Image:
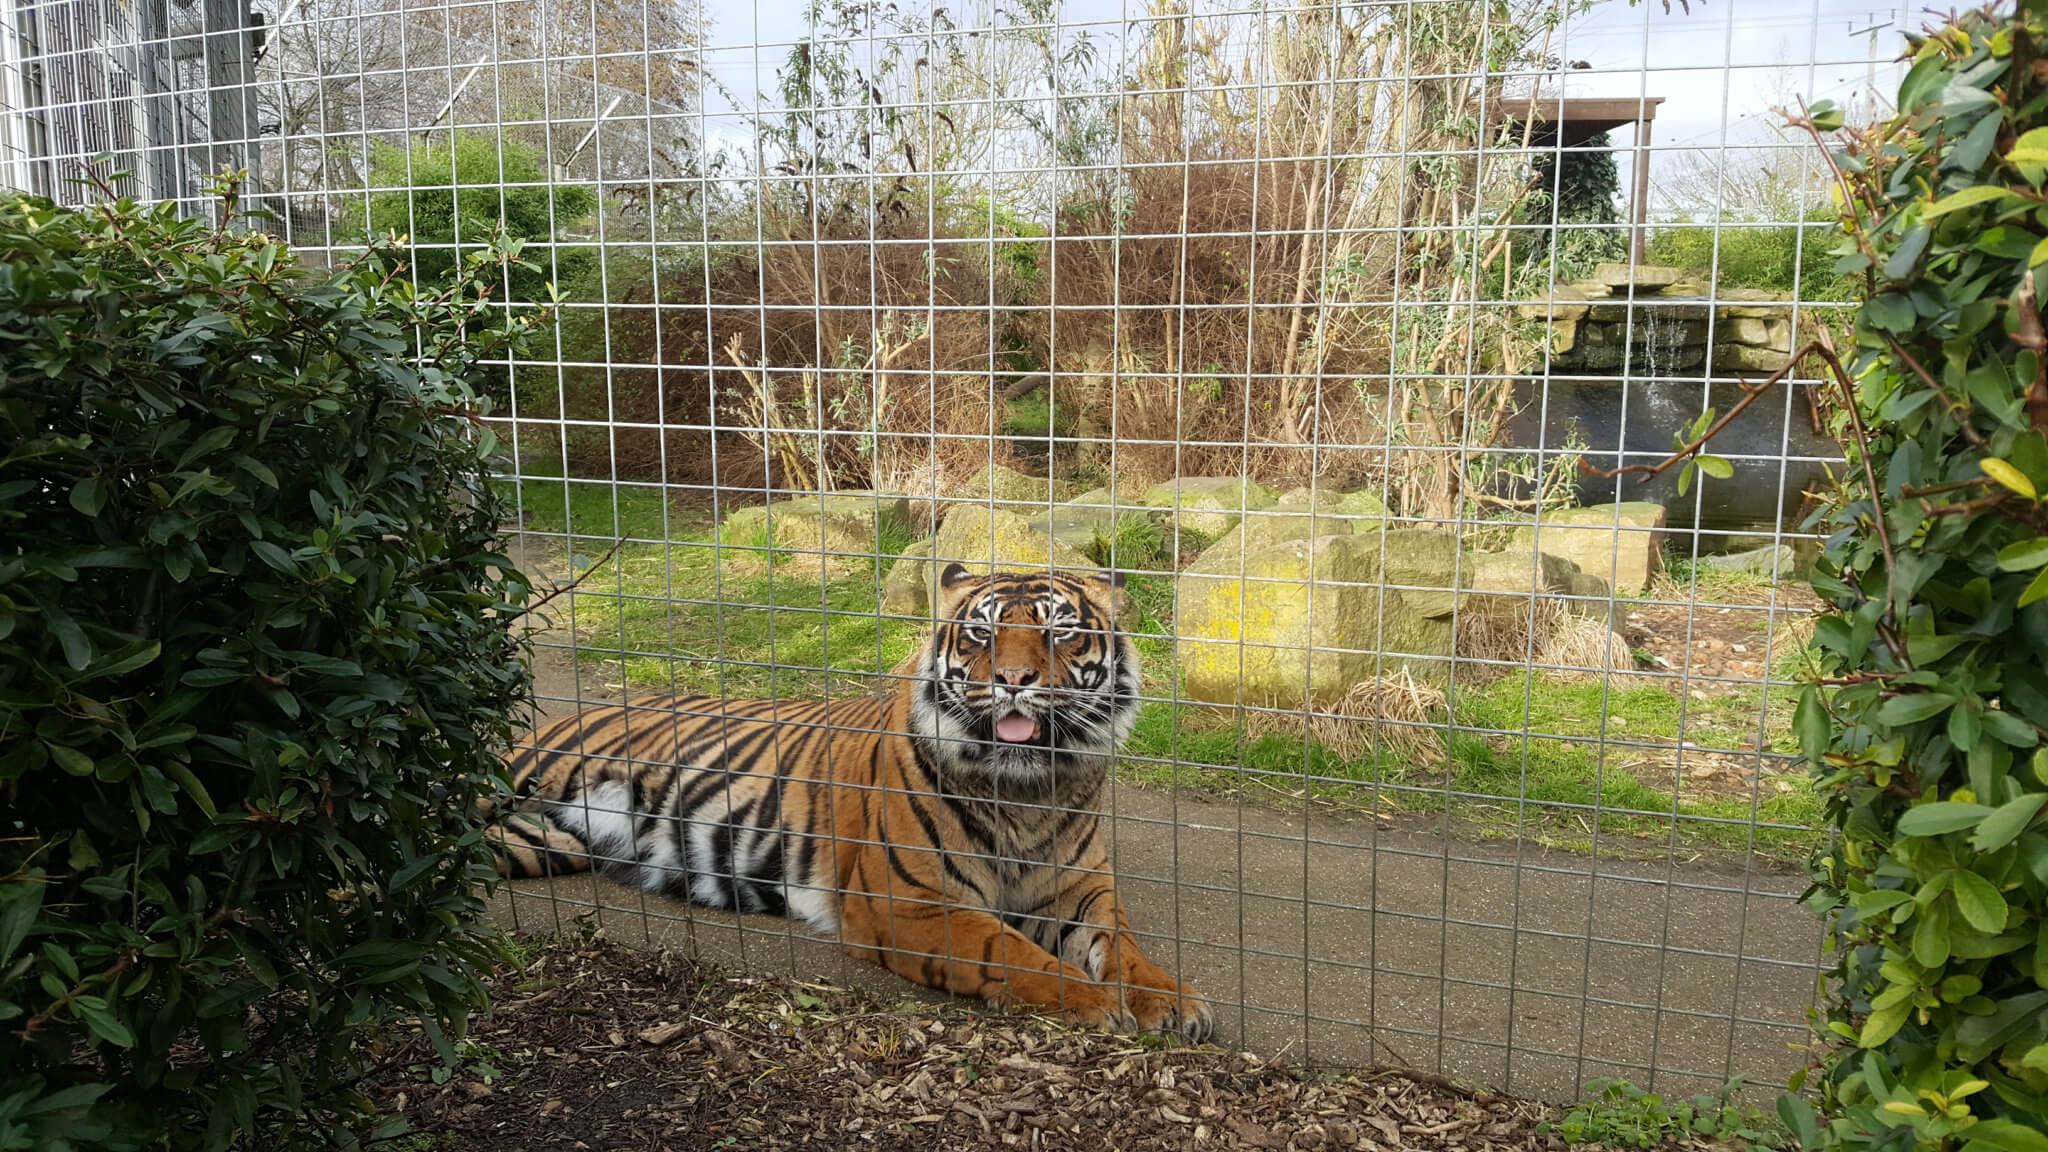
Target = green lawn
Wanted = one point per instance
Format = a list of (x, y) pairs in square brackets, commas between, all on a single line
[(1563, 762)]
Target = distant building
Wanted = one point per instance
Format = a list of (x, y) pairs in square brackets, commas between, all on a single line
[(166, 87)]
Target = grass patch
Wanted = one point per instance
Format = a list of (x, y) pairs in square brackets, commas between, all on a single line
[(1539, 770), (599, 509), (668, 619)]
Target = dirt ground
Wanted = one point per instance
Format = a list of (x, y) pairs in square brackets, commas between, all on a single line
[(1722, 643), (595, 1046)]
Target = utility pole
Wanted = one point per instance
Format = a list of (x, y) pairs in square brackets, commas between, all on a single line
[(1878, 23)]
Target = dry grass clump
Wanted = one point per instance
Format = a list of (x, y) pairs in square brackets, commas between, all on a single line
[(1498, 632), (1583, 648), (1394, 716)]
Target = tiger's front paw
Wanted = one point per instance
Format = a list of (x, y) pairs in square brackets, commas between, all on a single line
[(1178, 1009), (1089, 1006)]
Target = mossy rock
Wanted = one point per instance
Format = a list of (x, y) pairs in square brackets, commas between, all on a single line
[(1295, 517), (906, 590), (1080, 527), (991, 540), (1211, 505), (1524, 573), (823, 535), (1621, 544), (1304, 620)]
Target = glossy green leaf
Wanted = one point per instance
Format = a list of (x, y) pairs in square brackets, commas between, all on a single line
[(89, 495), (1968, 197), (1980, 902), (2023, 555), (2005, 1136), (2036, 589), (1913, 707), (1941, 817), (2005, 823)]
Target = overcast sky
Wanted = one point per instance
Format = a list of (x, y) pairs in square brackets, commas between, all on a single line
[(1720, 67)]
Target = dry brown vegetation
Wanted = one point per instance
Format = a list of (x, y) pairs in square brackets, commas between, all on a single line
[(597, 1046), (1219, 298)]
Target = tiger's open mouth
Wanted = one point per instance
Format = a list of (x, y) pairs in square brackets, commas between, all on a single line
[(1017, 728)]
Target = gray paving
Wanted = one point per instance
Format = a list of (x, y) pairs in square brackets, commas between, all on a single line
[(1341, 940)]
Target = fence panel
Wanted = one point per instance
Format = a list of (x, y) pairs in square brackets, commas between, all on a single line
[(1354, 336)]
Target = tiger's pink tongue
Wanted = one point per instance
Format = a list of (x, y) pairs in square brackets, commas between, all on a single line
[(1016, 728)]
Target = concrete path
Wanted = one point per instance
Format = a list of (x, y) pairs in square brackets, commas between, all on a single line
[(1344, 941)]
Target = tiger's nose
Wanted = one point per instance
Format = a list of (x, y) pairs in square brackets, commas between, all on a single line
[(1016, 677)]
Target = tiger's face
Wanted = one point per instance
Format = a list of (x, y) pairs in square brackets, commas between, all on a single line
[(1025, 669)]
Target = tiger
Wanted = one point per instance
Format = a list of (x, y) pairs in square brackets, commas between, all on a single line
[(949, 829)]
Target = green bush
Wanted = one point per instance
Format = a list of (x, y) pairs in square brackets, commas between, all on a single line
[(256, 670), (1926, 733), (451, 198), (1743, 255)]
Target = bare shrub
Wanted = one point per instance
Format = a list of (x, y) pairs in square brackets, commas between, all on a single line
[(1262, 250)]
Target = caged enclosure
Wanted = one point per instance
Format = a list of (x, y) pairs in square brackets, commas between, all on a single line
[(1354, 336)]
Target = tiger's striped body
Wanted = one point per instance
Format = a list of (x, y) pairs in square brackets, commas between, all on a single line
[(950, 831)]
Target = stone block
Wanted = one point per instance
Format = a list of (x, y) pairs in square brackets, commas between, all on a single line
[(1743, 358), (1640, 278), (1621, 544), (1009, 487), (1305, 620), (1522, 572), (1081, 527), (1641, 311), (1777, 562), (832, 533), (991, 540), (1299, 515), (906, 590), (1754, 303), (1211, 505), (1774, 334)]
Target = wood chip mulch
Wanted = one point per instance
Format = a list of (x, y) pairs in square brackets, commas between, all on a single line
[(597, 1046)]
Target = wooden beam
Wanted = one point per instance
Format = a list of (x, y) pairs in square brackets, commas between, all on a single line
[(1639, 208), (1576, 110)]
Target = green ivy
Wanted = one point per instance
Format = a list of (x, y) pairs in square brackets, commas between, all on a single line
[(1925, 724), (257, 669), (1577, 187)]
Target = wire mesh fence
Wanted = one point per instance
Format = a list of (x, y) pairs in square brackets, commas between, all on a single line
[(1350, 335)]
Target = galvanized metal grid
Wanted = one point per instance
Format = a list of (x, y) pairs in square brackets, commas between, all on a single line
[(1370, 908)]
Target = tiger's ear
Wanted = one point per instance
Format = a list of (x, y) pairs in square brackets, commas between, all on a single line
[(955, 582), (1106, 588)]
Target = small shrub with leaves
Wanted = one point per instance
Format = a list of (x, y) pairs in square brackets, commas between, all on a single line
[(1618, 1114), (257, 667), (1925, 726)]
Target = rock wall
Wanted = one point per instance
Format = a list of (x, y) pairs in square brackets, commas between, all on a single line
[(1648, 320), (1636, 354)]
